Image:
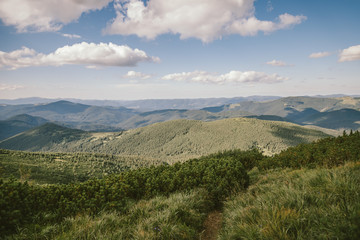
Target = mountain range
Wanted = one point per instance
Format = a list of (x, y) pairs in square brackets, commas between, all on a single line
[(333, 113)]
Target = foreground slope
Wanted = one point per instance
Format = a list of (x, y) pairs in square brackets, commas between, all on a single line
[(311, 199), (175, 140)]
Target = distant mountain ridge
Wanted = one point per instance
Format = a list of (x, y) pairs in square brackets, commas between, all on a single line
[(145, 104), (321, 112), (74, 115)]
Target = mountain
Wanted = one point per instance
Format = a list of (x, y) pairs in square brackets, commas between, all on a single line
[(175, 140), (43, 138), (338, 119), (333, 113), (291, 107), (18, 124), (72, 114), (298, 110)]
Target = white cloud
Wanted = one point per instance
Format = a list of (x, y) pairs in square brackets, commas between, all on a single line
[(231, 77), (350, 54), (251, 26), (7, 87), (71, 36), (278, 63), (206, 20), (319, 55), (45, 15), (137, 75), (89, 54)]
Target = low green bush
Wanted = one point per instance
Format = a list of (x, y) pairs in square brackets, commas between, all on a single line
[(21, 201)]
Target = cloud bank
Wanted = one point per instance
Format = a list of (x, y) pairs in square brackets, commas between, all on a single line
[(350, 54), (206, 20), (45, 15), (235, 77), (89, 54)]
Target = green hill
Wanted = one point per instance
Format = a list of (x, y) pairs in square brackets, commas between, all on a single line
[(18, 124), (169, 141), (43, 138)]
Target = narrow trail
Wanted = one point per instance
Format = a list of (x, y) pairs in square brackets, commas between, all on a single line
[(212, 226)]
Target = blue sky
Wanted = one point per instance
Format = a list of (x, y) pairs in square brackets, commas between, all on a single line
[(103, 49)]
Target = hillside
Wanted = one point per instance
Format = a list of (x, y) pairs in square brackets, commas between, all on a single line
[(172, 140), (43, 138), (338, 119), (18, 124), (308, 191)]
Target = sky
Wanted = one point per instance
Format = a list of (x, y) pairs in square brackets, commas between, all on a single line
[(161, 49)]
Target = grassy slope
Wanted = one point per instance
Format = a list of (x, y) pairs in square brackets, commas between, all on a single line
[(297, 204), (279, 204), (285, 203), (178, 216)]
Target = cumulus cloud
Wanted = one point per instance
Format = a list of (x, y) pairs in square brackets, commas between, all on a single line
[(89, 54), (278, 63), (137, 75), (206, 20), (350, 54), (319, 55), (45, 15), (234, 77), (7, 87)]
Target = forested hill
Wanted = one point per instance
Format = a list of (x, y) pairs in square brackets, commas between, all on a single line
[(172, 140)]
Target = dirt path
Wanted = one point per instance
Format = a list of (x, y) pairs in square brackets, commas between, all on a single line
[(212, 226)]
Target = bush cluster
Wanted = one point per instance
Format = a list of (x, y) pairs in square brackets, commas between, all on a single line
[(326, 152), (20, 202)]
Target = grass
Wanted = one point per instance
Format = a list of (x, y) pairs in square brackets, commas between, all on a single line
[(179, 216), (297, 204)]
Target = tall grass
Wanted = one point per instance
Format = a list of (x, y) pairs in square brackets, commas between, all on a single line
[(179, 216), (297, 204)]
